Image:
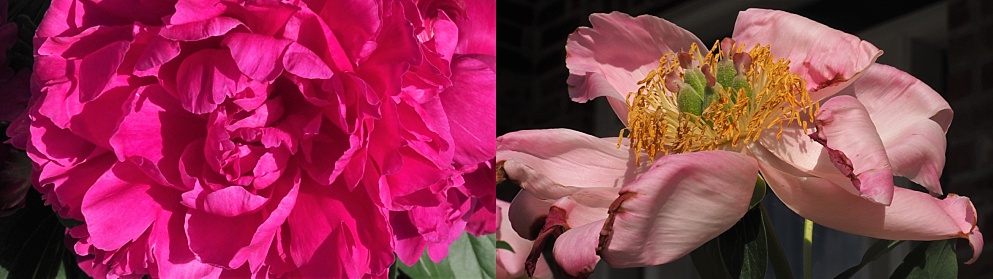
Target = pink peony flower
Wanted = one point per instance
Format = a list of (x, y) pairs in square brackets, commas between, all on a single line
[(264, 138), (800, 103)]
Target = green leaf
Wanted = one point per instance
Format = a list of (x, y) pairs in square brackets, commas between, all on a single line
[(504, 245), (758, 193), (932, 259), (468, 257), (739, 252), (878, 249), (777, 257)]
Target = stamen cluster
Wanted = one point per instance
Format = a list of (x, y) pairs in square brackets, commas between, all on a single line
[(721, 100)]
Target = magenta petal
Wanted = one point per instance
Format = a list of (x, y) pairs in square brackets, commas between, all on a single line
[(196, 10), (470, 105), (195, 31), (258, 56), (854, 147), (154, 133), (301, 61), (911, 215), (121, 206), (98, 68), (683, 201), (601, 61), (339, 234), (205, 79), (232, 201), (821, 55), (477, 29)]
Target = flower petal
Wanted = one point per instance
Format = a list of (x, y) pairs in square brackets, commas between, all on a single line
[(470, 105), (825, 57), (911, 119), (511, 264), (854, 147), (204, 80), (121, 206), (683, 201), (575, 250), (565, 160), (618, 51), (257, 56), (911, 215)]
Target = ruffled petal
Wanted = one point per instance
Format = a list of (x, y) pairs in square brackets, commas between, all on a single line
[(825, 57), (618, 51), (470, 105), (120, 206), (911, 215), (683, 201), (911, 119), (854, 147), (561, 160), (511, 264)]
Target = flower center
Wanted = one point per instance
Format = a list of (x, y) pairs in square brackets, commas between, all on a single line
[(723, 100)]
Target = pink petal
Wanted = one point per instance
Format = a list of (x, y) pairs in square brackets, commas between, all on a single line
[(562, 157), (601, 61), (821, 55), (257, 56), (511, 264), (854, 147), (527, 214), (683, 201), (911, 215), (911, 119), (121, 206), (204, 80), (470, 105), (575, 250)]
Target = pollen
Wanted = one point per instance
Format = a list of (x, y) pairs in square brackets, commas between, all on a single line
[(721, 100)]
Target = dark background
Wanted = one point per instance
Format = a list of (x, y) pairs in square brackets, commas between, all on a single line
[(956, 60)]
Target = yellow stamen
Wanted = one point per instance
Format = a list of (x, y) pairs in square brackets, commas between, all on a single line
[(733, 119)]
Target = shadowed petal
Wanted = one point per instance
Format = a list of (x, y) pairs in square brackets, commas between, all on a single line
[(911, 119), (619, 50), (683, 201), (912, 215), (564, 159), (854, 147), (825, 57)]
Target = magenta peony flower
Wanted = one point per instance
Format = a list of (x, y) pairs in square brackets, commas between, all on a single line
[(800, 103), (264, 138)]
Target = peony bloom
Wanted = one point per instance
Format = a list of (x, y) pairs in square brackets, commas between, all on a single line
[(800, 103), (264, 138)]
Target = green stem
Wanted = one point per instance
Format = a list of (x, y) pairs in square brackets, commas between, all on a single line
[(808, 243)]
